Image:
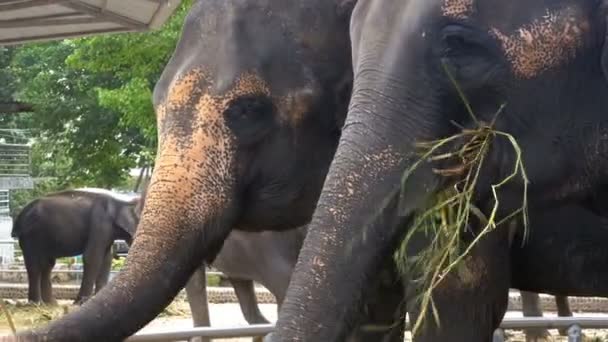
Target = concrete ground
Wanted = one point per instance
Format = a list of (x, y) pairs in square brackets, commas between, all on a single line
[(222, 315)]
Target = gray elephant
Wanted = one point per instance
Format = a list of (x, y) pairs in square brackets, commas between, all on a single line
[(265, 257), (70, 223), (238, 138), (427, 70), (249, 114), (531, 307)]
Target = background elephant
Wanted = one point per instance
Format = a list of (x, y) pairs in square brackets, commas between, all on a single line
[(249, 113), (533, 69), (70, 223), (531, 307), (265, 257)]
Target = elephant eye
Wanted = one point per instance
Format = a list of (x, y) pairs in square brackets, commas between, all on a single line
[(473, 55), (461, 40), (250, 117)]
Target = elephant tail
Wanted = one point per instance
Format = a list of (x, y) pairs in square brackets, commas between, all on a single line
[(21, 222)]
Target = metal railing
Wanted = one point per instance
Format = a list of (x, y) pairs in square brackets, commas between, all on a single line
[(253, 330), (15, 159), (573, 324)]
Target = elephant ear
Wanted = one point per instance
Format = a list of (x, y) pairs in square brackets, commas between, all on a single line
[(604, 11), (127, 219), (345, 7)]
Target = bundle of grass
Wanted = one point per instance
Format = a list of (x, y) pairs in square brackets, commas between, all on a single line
[(27, 315), (450, 213)]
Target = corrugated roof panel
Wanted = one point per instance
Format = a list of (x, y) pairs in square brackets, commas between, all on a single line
[(36, 20)]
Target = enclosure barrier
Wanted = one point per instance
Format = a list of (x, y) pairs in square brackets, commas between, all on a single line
[(573, 324), (210, 332)]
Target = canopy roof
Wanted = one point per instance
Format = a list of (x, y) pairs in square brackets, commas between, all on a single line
[(38, 20)]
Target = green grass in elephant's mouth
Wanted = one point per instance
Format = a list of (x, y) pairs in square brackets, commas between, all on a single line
[(448, 215)]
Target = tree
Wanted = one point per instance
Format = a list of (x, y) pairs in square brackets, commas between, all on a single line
[(92, 118), (137, 61)]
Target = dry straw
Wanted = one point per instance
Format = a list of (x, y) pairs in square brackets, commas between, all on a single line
[(448, 217)]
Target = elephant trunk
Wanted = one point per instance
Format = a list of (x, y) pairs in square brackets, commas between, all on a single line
[(357, 225), (180, 226)]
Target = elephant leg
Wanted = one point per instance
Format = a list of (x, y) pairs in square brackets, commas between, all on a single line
[(196, 292), (384, 310), (33, 267), (472, 299), (46, 285), (563, 310), (104, 271), (92, 260), (245, 293), (530, 302)]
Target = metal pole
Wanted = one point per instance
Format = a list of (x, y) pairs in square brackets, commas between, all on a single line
[(554, 322), (575, 333), (185, 334), (499, 335)]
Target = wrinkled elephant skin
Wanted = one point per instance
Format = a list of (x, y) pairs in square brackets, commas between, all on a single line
[(540, 63), (249, 113)]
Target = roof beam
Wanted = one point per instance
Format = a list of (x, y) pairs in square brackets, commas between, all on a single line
[(15, 107), (28, 4), (62, 35), (50, 20), (102, 13)]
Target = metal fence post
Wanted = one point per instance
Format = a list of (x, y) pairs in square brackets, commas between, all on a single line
[(575, 333), (499, 335)]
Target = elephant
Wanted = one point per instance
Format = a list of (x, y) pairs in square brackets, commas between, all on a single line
[(266, 257), (531, 307), (425, 71), (69, 223), (249, 112), (572, 262)]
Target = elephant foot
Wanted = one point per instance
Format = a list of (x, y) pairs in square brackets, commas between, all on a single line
[(34, 302), (81, 300), (51, 302), (538, 335)]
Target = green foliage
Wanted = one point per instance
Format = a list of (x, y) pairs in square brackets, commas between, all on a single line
[(93, 118), (213, 280), (118, 264)]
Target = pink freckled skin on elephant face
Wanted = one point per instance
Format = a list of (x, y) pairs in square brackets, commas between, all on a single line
[(457, 9), (545, 43)]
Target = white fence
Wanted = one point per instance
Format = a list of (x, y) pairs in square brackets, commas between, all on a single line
[(573, 324)]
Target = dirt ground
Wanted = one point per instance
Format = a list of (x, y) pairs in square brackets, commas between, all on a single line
[(177, 316)]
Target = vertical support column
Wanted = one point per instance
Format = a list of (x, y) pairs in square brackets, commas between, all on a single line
[(499, 335), (575, 333)]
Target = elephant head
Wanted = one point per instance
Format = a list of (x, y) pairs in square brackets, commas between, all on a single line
[(249, 111), (540, 64), (126, 217)]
